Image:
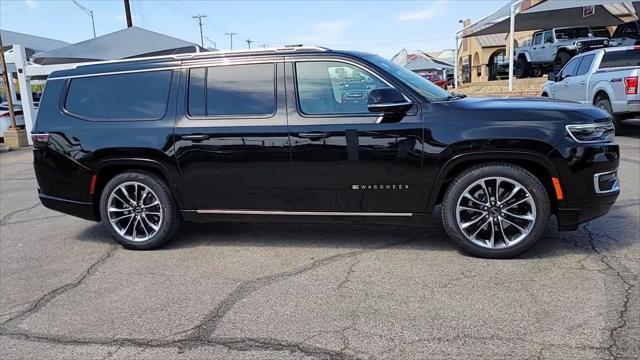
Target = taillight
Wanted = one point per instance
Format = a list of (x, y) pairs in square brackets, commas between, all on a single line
[(631, 85), (40, 140)]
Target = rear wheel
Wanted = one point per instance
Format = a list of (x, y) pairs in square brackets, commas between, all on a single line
[(522, 68), (495, 210), (605, 104), (139, 211)]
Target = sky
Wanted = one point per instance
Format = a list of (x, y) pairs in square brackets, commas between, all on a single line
[(382, 27)]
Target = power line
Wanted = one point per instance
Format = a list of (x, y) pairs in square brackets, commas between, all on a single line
[(88, 12), (199, 17), (212, 42), (231, 34)]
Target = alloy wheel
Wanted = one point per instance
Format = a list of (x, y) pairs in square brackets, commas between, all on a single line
[(496, 212), (135, 211)]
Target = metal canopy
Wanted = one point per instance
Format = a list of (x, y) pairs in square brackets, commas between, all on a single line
[(126, 43), (546, 15)]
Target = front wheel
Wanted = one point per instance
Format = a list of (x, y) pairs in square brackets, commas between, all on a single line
[(139, 211), (495, 210), (560, 60)]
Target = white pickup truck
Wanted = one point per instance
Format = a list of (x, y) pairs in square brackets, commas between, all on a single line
[(606, 78)]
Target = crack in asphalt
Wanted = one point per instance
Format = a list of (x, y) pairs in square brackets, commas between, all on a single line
[(347, 276), (51, 295), (18, 211), (232, 343), (201, 334), (207, 327), (32, 220), (604, 258)]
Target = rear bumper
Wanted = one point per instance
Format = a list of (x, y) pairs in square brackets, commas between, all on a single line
[(71, 207), (627, 107)]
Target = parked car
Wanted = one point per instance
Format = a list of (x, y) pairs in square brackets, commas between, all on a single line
[(627, 34), (606, 78), (5, 118), (142, 145), (552, 49)]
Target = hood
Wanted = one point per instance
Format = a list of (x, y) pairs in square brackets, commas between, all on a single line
[(530, 109)]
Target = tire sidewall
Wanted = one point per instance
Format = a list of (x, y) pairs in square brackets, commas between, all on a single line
[(166, 203), (526, 179)]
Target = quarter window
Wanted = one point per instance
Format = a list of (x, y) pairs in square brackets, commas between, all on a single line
[(329, 87), (232, 90), (133, 96)]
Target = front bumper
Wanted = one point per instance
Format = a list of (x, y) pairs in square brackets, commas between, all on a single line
[(569, 219), (588, 173)]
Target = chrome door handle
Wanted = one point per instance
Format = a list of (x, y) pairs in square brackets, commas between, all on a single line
[(195, 137), (315, 135)]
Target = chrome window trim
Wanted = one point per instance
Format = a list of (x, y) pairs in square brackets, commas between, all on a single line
[(596, 182), (296, 213)]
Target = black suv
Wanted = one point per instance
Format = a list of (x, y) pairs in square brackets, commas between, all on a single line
[(142, 145)]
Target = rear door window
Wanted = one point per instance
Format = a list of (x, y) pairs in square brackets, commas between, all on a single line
[(121, 97), (622, 58), (232, 90)]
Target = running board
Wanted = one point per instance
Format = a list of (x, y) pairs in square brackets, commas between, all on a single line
[(297, 213)]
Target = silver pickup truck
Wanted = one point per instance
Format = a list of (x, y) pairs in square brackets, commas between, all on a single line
[(606, 78), (552, 49)]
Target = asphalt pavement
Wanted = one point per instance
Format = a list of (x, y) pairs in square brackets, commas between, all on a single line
[(282, 291)]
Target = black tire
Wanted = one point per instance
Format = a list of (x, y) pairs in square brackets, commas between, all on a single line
[(605, 104), (544, 94), (512, 172), (561, 59), (522, 68), (169, 222), (537, 72)]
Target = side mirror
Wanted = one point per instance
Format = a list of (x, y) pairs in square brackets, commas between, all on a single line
[(388, 101), (552, 76)]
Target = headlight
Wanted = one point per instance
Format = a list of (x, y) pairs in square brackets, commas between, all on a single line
[(606, 42), (579, 45), (589, 133)]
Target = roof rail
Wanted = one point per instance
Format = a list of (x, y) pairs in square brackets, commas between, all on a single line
[(288, 48), (251, 51)]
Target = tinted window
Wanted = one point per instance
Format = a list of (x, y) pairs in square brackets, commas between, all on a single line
[(620, 59), (537, 40), (232, 90), (585, 65), (334, 88), (570, 68), (134, 96), (627, 30)]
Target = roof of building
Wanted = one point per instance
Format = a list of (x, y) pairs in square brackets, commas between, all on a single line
[(35, 43), (122, 44)]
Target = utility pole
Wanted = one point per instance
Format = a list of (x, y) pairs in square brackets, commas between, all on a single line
[(127, 11), (249, 43), (231, 34), (7, 88), (88, 12), (199, 17), (264, 46)]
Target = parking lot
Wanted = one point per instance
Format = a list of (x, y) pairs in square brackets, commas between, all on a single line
[(256, 291)]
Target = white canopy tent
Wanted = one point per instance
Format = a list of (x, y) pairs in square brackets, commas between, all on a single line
[(546, 14)]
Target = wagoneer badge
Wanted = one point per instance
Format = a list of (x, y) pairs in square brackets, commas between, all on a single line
[(380, 187)]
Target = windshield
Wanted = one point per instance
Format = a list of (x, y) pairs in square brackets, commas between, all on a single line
[(573, 33), (424, 87)]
